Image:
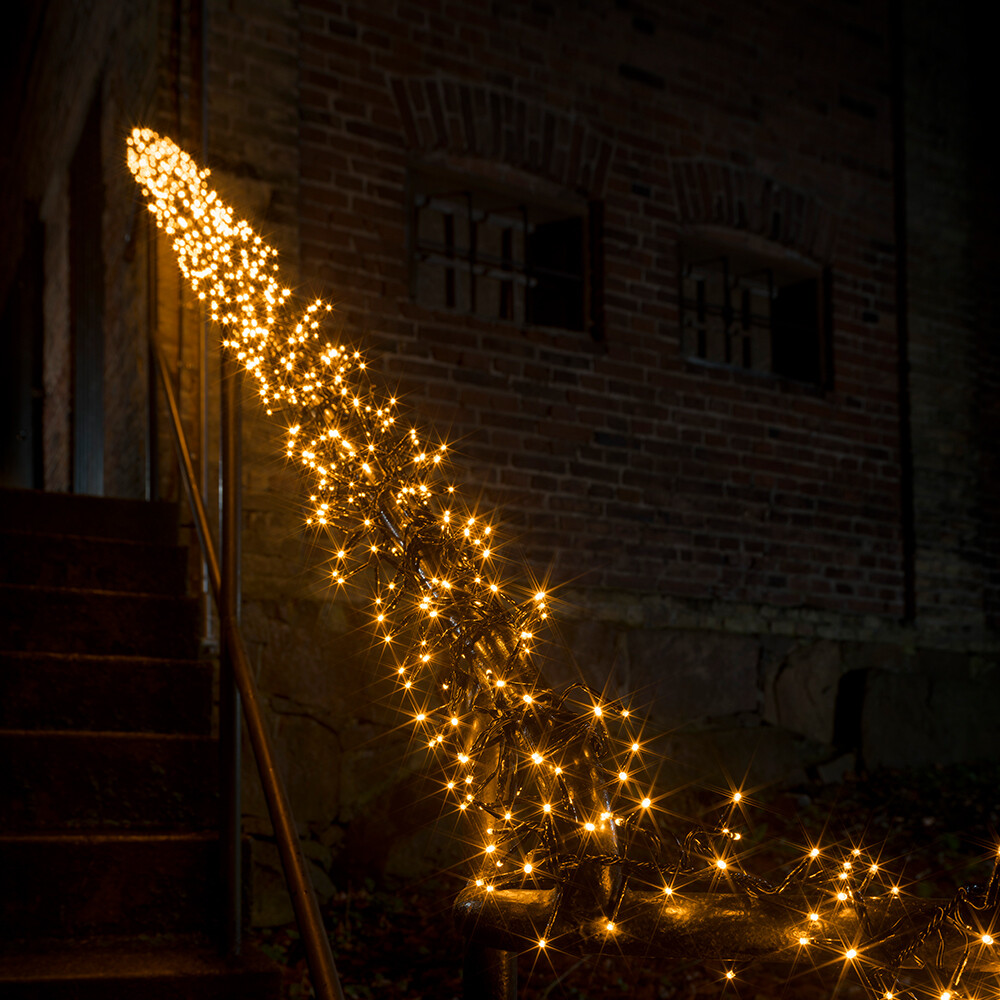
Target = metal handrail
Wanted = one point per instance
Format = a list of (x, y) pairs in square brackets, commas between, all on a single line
[(322, 968)]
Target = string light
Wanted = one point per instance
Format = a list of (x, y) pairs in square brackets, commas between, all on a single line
[(377, 494)]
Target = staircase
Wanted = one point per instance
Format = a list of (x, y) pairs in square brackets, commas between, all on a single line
[(109, 884)]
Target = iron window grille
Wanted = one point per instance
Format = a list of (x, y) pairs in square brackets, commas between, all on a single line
[(749, 312), (484, 251)]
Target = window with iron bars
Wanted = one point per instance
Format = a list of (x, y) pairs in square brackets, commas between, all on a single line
[(756, 312), (482, 250)]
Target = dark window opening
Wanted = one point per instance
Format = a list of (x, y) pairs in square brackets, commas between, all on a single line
[(744, 310), (482, 250)]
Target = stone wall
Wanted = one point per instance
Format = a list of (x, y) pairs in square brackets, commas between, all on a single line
[(727, 548)]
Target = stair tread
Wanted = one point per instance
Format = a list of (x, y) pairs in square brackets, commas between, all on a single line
[(107, 734), (130, 961), (80, 963), (126, 659), (36, 588), (99, 539), (105, 517), (110, 837)]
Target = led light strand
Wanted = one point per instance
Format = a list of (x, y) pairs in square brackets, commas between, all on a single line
[(555, 781)]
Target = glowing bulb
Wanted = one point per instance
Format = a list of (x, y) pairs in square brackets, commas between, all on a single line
[(842, 896), (622, 776), (635, 748), (646, 803), (737, 796), (667, 891), (610, 926), (730, 974), (547, 808), (720, 863), (598, 711), (987, 939), (803, 940), (490, 848), (814, 853), (527, 699), (589, 827), (814, 917), (895, 890), (527, 868), (541, 942), (537, 758), (853, 953)]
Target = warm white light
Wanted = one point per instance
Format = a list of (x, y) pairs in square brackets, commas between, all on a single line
[(987, 939), (814, 853), (852, 953), (842, 896), (622, 776), (803, 940), (720, 863), (737, 796), (646, 803), (814, 917)]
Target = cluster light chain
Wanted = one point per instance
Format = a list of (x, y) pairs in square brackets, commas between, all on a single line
[(460, 634)]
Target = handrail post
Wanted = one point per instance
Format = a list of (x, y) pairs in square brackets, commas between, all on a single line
[(229, 697), (322, 968)]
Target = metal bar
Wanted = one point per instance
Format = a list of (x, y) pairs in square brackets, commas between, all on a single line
[(229, 696), (489, 974), (717, 925), (322, 969)]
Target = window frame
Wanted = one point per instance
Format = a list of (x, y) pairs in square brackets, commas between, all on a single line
[(538, 203)]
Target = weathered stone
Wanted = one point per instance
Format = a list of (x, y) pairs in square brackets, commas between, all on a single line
[(592, 656), (685, 676), (802, 695), (914, 720), (737, 758), (272, 906)]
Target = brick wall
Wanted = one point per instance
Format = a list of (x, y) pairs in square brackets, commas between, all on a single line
[(952, 217), (621, 464), (729, 544)]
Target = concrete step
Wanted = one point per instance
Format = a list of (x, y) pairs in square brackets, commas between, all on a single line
[(88, 516), (92, 563), (57, 620), (79, 885), (76, 781), (133, 970), (104, 693)]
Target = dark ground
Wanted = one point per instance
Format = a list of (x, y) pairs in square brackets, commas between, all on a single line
[(938, 825)]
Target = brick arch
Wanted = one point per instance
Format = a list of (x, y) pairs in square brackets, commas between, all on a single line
[(469, 120), (723, 194)]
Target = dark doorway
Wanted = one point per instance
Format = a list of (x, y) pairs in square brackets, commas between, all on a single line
[(21, 387), (86, 304)]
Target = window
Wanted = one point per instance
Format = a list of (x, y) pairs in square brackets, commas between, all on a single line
[(750, 307), (480, 249)]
